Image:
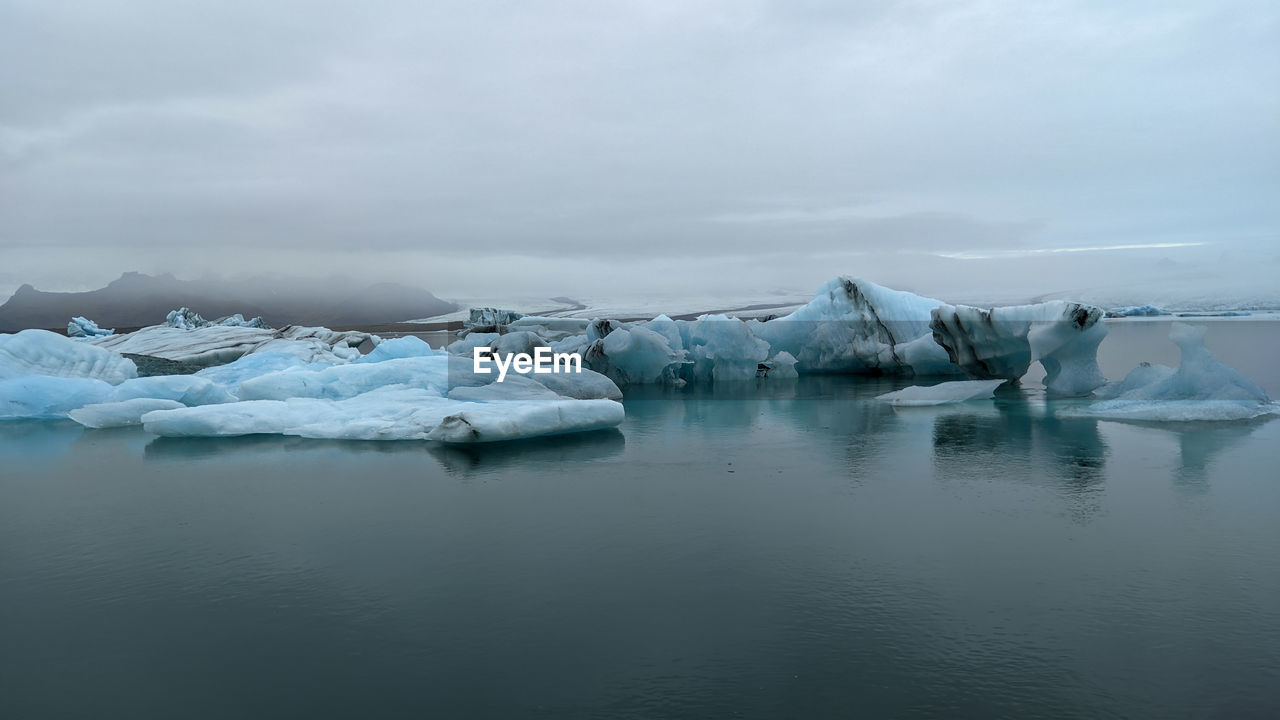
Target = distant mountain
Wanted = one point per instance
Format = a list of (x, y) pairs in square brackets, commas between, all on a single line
[(135, 300)]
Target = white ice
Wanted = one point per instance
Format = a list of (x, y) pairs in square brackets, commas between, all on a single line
[(392, 413), (218, 344), (1200, 389), (721, 348), (47, 397), (855, 326), (121, 413), (40, 352), (1002, 342), (82, 327), (955, 391), (634, 355), (401, 347)]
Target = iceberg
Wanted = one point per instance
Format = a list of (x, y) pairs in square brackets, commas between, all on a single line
[(39, 397), (585, 385), (186, 389), (340, 382), (250, 366), (187, 319), (491, 317), (40, 352), (955, 391), (119, 414), (220, 344), (721, 348), (81, 327), (494, 422), (393, 413), (855, 326), (464, 345), (237, 320), (1136, 311), (633, 355), (1200, 389), (401, 347), (1002, 342), (184, 319)]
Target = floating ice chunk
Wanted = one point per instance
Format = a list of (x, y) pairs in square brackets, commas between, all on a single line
[(634, 355), (45, 397), (230, 376), (549, 328), (81, 327), (491, 317), (401, 347), (514, 387), (186, 389), (492, 422), (1174, 410), (854, 326), (667, 328), (465, 345), (185, 318), (1069, 353), (519, 342), (1143, 375), (218, 344), (388, 414), (1202, 388), (346, 381), (310, 350), (722, 348), (782, 366), (585, 385), (40, 352), (924, 356), (120, 414), (203, 346), (956, 391), (1136, 311), (1002, 342), (237, 320), (572, 344)]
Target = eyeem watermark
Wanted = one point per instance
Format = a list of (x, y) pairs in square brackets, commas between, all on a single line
[(541, 362)]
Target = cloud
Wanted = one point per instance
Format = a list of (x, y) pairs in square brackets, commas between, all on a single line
[(137, 132)]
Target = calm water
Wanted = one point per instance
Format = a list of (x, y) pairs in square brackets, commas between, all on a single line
[(795, 551)]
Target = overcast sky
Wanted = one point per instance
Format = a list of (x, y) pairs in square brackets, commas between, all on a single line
[(595, 146)]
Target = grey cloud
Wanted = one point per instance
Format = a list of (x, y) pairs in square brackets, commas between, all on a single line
[(134, 132)]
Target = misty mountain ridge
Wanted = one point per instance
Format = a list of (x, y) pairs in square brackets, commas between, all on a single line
[(137, 299)]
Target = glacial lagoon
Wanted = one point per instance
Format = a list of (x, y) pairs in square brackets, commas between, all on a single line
[(793, 549)]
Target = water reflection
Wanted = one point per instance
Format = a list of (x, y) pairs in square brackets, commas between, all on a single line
[(483, 458), (1022, 437), (35, 440), (179, 449)]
